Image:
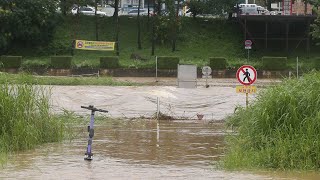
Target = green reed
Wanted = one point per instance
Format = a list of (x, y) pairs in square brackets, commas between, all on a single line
[(25, 118), (280, 130)]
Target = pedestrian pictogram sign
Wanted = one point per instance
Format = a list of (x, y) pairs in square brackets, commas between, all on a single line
[(246, 75), (247, 44)]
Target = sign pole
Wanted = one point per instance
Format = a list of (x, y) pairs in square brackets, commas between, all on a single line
[(248, 46), (207, 81), (156, 68), (297, 67), (206, 71), (247, 100)]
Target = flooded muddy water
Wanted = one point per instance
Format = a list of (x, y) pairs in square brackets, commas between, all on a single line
[(128, 149), (140, 149), (133, 149), (131, 102)]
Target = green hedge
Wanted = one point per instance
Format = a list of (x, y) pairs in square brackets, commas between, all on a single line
[(168, 62), (316, 63), (274, 63), (11, 61), (218, 63), (109, 62), (61, 62)]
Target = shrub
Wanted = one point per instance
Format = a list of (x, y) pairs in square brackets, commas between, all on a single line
[(109, 62), (11, 61), (168, 62), (218, 63), (274, 63), (316, 63), (61, 62), (34, 64)]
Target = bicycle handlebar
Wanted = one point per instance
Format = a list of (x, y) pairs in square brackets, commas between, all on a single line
[(92, 108)]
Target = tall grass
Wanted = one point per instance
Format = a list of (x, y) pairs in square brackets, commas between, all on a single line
[(56, 80), (280, 130), (25, 119)]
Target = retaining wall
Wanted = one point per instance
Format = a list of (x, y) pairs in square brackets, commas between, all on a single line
[(142, 72)]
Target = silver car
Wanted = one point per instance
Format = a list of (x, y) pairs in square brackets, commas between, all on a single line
[(134, 12), (87, 11)]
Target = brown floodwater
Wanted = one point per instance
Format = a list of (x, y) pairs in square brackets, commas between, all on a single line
[(141, 149), (136, 149)]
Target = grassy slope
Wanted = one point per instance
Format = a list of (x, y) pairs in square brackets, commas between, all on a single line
[(280, 130), (198, 40)]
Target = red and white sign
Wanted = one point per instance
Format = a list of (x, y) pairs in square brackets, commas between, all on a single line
[(246, 75), (80, 44), (247, 44)]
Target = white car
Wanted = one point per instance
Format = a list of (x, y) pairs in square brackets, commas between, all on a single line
[(134, 12), (87, 11)]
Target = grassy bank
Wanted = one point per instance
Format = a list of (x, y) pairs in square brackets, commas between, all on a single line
[(25, 118), (280, 130), (56, 80), (198, 39)]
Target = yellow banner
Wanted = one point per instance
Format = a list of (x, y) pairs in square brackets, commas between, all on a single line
[(246, 89), (94, 45)]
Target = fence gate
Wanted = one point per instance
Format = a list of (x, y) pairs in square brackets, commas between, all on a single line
[(187, 76)]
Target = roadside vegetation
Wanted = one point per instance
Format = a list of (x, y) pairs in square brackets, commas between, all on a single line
[(26, 120), (64, 81), (25, 117), (197, 41), (194, 40), (280, 130)]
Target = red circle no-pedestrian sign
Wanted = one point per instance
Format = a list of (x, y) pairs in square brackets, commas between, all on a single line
[(247, 42), (246, 75)]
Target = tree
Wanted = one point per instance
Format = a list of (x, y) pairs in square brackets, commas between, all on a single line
[(116, 19), (154, 17), (316, 29), (139, 28), (218, 7), (214, 7), (66, 5), (196, 7), (176, 26), (28, 22), (96, 19)]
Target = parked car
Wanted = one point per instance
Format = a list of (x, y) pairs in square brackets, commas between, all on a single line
[(134, 12), (87, 10)]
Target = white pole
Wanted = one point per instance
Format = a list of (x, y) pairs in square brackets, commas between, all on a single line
[(297, 66), (158, 123), (158, 107), (206, 81), (156, 68), (158, 133)]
